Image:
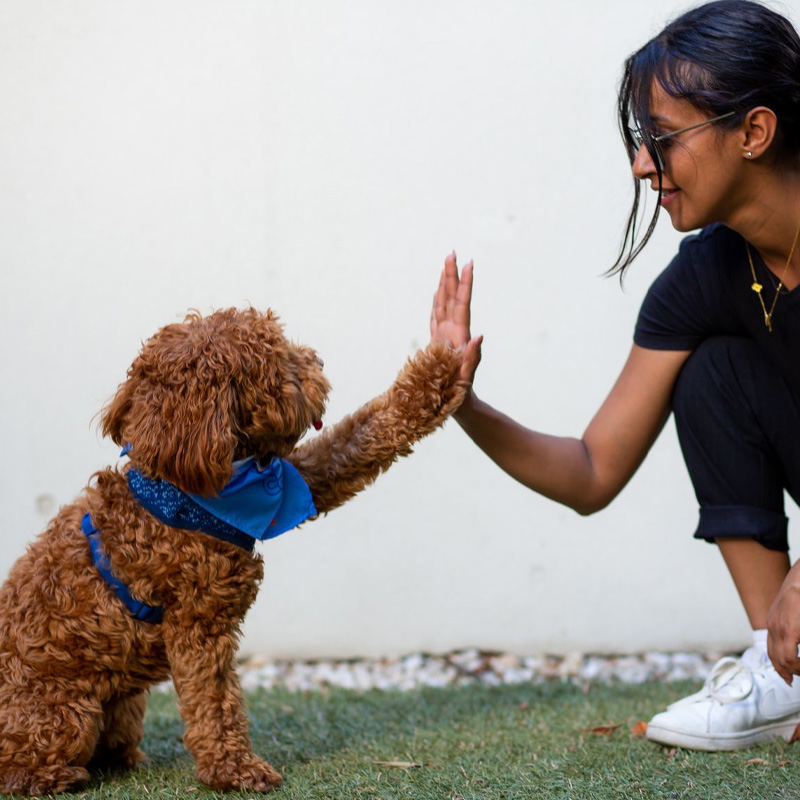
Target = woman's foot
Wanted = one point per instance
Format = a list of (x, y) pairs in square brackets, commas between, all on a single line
[(744, 702)]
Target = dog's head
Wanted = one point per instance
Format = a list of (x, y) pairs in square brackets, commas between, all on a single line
[(211, 390)]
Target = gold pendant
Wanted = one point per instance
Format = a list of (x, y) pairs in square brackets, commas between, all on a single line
[(757, 287), (768, 321)]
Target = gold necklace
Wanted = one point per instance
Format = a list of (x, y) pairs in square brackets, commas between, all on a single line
[(757, 287)]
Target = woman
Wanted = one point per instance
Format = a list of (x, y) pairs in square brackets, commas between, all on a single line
[(710, 114)]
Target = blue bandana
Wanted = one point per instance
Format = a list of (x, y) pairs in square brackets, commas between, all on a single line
[(257, 503), (262, 502)]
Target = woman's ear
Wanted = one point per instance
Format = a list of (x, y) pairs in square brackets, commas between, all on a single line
[(760, 127)]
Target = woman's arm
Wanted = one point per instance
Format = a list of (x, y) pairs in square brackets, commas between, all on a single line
[(586, 473)]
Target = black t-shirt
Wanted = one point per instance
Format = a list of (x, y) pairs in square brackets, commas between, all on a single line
[(705, 291)]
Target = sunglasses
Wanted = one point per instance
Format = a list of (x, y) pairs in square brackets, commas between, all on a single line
[(654, 143)]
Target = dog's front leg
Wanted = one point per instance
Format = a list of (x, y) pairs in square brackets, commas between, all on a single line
[(346, 458), (202, 662)]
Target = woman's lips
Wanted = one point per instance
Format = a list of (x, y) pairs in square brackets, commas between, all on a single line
[(667, 195)]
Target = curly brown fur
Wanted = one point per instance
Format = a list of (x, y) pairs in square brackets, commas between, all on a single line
[(76, 666)]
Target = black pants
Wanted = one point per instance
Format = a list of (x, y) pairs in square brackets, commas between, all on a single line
[(739, 429)]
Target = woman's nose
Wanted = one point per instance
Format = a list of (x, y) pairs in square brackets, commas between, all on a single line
[(643, 164)]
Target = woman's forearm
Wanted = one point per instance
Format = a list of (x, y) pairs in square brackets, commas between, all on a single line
[(586, 473), (557, 467)]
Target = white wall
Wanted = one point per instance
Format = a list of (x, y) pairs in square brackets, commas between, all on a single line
[(321, 158)]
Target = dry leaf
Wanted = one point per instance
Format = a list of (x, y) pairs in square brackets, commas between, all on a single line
[(639, 729), (756, 761), (601, 730), (783, 763), (397, 764)]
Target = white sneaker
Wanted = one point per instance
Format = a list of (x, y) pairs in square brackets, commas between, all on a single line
[(743, 702)]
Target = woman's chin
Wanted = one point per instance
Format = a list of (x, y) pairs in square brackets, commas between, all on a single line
[(682, 224)]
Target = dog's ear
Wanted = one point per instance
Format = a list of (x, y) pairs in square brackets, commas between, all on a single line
[(184, 436), (114, 413), (177, 419)]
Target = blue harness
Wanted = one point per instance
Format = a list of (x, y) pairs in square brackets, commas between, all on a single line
[(257, 503)]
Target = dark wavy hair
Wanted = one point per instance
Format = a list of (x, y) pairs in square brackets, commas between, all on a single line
[(724, 56)]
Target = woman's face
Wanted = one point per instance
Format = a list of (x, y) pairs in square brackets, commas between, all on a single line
[(701, 181)]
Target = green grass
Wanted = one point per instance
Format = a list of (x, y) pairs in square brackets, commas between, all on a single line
[(472, 743)]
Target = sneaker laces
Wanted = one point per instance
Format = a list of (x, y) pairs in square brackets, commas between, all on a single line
[(730, 681)]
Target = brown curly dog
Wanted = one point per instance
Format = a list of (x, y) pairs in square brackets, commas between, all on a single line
[(75, 663)]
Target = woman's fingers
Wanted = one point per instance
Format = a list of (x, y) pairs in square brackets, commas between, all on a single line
[(783, 624), (439, 307), (780, 655), (788, 664), (463, 298), (471, 359), (451, 283), (450, 313)]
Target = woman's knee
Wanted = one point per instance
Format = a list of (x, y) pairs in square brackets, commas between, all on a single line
[(712, 376)]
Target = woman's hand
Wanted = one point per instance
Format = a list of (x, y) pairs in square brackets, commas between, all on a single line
[(450, 315), (783, 623)]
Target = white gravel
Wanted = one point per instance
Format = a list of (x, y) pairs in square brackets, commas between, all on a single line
[(471, 667)]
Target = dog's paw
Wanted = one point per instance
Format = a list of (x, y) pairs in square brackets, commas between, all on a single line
[(48, 780), (254, 775), (132, 759), (260, 777), (122, 758)]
